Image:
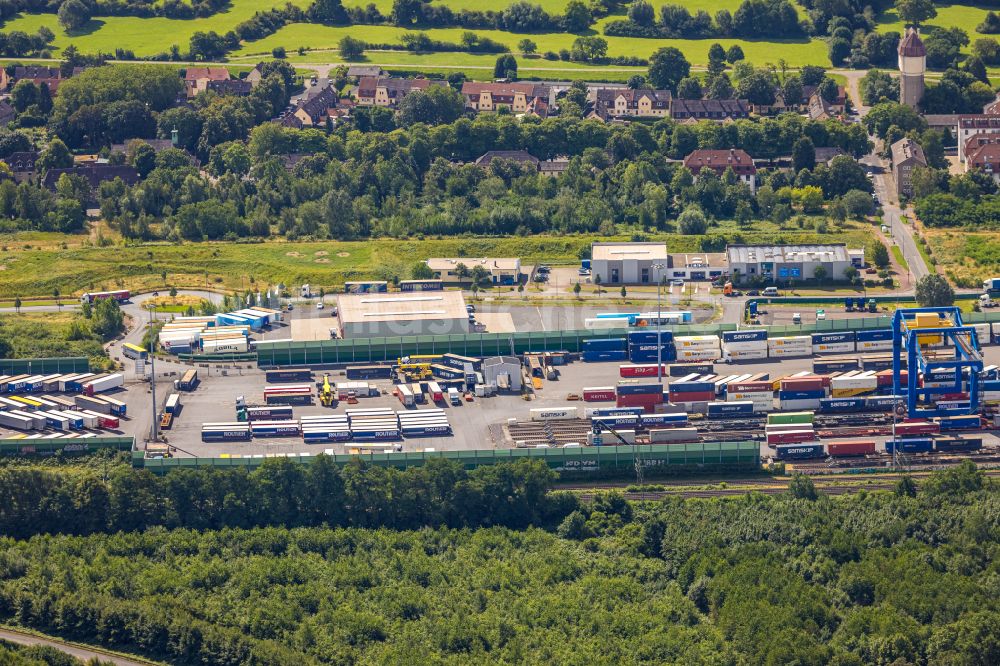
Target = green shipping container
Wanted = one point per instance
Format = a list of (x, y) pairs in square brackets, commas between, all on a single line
[(778, 418)]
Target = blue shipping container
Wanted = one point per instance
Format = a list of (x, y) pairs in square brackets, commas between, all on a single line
[(598, 356), (801, 395), (745, 336), (962, 422), (730, 408), (649, 337), (650, 348), (617, 421), (922, 445), (639, 389), (691, 387), (824, 367), (829, 338), (665, 356), (799, 451), (376, 435), (965, 444), (838, 405), (426, 431), (871, 336), (617, 411), (224, 435), (604, 344), (991, 385)]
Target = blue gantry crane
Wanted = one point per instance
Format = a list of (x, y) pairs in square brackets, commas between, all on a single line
[(914, 330)]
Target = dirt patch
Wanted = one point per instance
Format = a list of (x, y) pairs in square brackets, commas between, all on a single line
[(343, 254), (321, 253), (3, 267), (293, 254), (322, 260), (181, 299)]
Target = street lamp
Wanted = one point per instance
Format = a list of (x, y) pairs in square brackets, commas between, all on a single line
[(152, 376), (659, 324)]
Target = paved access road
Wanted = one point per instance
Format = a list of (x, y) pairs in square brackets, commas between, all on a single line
[(81, 653)]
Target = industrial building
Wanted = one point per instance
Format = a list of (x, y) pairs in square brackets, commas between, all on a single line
[(628, 263), (781, 263), (503, 371), (402, 314), (502, 270)]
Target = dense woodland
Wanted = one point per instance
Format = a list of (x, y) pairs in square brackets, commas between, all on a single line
[(907, 577)]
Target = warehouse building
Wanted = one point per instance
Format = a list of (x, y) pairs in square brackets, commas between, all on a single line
[(782, 263), (502, 270), (504, 372), (628, 263), (402, 314)]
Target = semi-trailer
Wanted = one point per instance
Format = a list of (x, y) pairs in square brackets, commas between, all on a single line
[(173, 404), (554, 413), (105, 383), (16, 421), (189, 381), (269, 413), (275, 428), (369, 372), (118, 408)]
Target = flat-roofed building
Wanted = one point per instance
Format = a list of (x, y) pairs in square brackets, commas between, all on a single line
[(402, 314), (502, 270), (785, 263), (628, 263)]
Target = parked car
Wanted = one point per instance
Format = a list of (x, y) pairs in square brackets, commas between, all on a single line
[(753, 292), (470, 308), (541, 277), (677, 283), (543, 269), (584, 271), (320, 306)]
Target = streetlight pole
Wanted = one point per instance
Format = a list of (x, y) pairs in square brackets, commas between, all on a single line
[(152, 376), (659, 324)]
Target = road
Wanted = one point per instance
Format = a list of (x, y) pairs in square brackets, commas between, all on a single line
[(892, 216), (81, 653)]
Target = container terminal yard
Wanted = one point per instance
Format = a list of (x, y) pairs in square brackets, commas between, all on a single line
[(818, 401)]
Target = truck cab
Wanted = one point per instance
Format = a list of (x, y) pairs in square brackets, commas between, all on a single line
[(454, 397)]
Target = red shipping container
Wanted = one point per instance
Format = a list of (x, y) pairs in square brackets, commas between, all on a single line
[(639, 400), (917, 428), (692, 396), (791, 437), (642, 370), (598, 395), (952, 396), (884, 377), (852, 448), (749, 387), (803, 384), (108, 422)]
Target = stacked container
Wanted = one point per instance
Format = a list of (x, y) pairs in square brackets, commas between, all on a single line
[(377, 424), (288, 394), (604, 349), (833, 343), (854, 383), (326, 428), (870, 341), (599, 394), (424, 423), (651, 347), (801, 392), (731, 409), (790, 347), (643, 393), (760, 393), (790, 428), (225, 432), (685, 392), (744, 345), (697, 348)]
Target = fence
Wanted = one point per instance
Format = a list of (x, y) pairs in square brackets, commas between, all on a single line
[(44, 366), (73, 446), (657, 459)]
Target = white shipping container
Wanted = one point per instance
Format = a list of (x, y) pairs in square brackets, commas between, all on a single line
[(553, 413), (745, 355), (796, 405), (875, 345), (231, 345), (750, 395), (673, 435), (866, 382), (789, 352), (747, 345), (833, 348), (790, 341), (990, 396), (696, 342), (604, 324), (698, 354)]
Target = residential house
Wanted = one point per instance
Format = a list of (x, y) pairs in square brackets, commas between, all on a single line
[(820, 109), (825, 155), (50, 76), (126, 147), (719, 160), (693, 110), (196, 78), (234, 87), (985, 158), (625, 102), (519, 156), (970, 125), (553, 168), (94, 173), (387, 90), (906, 156), (315, 109), (256, 75), (7, 113), (5, 79), (520, 98), (22, 164), (992, 108), (359, 72)]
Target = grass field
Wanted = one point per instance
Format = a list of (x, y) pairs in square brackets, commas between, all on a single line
[(966, 257), (966, 17), (79, 267)]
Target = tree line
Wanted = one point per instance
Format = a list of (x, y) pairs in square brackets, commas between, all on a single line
[(901, 577)]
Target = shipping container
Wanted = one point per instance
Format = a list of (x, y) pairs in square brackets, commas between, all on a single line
[(914, 445), (909, 428), (645, 370), (799, 451), (846, 449), (961, 422), (225, 434), (663, 420), (604, 345), (684, 369), (604, 356), (645, 400), (447, 372), (599, 394), (798, 404), (275, 428), (803, 384), (684, 386), (376, 435), (554, 413), (958, 444), (650, 337), (790, 417), (874, 335), (173, 404), (612, 411), (741, 408), (752, 335), (833, 338), (802, 395), (822, 367), (691, 396), (674, 436), (288, 398), (750, 387), (617, 422), (289, 375), (841, 405), (270, 413), (369, 371), (636, 387), (189, 381)]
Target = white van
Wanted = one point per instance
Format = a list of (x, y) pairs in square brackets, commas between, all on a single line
[(770, 291)]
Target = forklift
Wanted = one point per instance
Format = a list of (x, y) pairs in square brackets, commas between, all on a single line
[(326, 395)]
